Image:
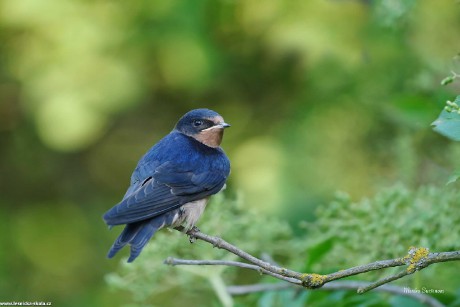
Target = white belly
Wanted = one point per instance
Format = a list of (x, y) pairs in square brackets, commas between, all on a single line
[(189, 213)]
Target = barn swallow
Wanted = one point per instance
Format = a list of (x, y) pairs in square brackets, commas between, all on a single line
[(173, 181)]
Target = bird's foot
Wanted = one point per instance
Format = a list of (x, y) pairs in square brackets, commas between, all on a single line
[(191, 232)]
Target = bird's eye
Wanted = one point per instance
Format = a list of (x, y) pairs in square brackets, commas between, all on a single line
[(197, 122)]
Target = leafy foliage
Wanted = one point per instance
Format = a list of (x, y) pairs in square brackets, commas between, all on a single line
[(346, 233), (448, 122), (386, 225)]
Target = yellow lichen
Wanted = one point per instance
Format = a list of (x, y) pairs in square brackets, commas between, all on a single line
[(415, 258), (317, 279), (313, 280)]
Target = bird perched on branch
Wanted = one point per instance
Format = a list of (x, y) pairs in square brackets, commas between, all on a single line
[(173, 181)]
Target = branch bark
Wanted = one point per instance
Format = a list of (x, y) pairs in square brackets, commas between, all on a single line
[(416, 260)]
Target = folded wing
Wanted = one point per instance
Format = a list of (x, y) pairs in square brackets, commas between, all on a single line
[(167, 189)]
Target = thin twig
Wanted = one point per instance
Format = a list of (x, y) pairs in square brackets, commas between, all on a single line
[(383, 281), (416, 259), (378, 265), (194, 233), (175, 261)]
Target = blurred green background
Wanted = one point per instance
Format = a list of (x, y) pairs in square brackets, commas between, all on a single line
[(322, 95)]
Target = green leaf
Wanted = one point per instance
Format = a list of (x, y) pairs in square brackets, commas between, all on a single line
[(448, 123), (454, 177), (317, 252)]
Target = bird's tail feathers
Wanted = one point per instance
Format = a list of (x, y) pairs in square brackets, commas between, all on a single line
[(142, 237), (124, 238), (137, 235)]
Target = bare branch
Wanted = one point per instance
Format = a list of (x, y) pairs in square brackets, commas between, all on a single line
[(416, 259), (174, 261), (194, 233), (383, 281)]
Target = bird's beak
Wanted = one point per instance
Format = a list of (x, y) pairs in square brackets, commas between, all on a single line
[(218, 126), (224, 125)]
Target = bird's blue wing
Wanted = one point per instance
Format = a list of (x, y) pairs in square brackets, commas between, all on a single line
[(187, 182), (167, 189)]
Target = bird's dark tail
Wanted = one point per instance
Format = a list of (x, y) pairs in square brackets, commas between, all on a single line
[(137, 235)]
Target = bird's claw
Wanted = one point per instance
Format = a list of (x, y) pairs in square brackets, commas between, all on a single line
[(191, 232)]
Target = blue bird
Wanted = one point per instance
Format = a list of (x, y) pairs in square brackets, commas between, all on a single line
[(173, 181)]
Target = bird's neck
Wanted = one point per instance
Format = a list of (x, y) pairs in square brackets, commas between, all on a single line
[(210, 137)]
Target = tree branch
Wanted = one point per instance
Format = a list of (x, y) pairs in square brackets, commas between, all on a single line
[(174, 261), (195, 233), (416, 259)]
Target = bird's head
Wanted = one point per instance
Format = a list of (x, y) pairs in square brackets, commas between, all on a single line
[(204, 125)]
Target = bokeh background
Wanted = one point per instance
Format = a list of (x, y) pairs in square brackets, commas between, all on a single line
[(323, 96)]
